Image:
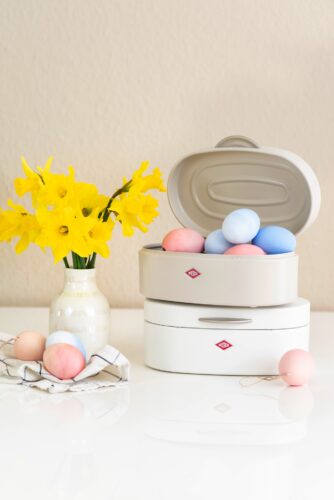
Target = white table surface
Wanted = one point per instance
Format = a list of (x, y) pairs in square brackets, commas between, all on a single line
[(169, 436)]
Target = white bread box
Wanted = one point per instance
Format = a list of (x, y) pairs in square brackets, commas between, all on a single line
[(253, 299)]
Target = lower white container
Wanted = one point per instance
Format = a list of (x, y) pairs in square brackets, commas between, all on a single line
[(223, 340)]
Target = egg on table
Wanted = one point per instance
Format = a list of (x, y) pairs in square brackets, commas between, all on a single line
[(29, 346), (65, 337), (64, 361), (296, 367)]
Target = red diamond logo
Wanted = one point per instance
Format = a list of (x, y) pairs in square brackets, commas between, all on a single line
[(223, 344), (193, 273)]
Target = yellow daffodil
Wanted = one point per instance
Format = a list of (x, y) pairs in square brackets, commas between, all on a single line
[(73, 217), (98, 237), (57, 190), (145, 183), (89, 199), (64, 230), (33, 182), (134, 210), (147, 212), (17, 222)]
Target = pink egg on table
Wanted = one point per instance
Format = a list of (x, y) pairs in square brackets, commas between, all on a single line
[(183, 240), (64, 361), (29, 346), (296, 367), (245, 249)]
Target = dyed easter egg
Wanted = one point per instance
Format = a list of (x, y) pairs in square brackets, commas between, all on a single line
[(246, 249), (64, 361), (296, 367), (183, 240), (275, 239), (216, 243), (29, 346), (241, 226), (64, 337)]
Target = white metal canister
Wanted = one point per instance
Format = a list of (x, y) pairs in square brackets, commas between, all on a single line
[(202, 189)]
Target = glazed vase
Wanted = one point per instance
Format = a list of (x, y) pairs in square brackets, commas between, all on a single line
[(82, 309)]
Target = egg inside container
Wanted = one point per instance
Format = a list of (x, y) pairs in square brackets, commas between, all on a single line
[(203, 188)]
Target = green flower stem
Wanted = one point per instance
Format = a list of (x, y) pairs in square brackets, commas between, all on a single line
[(74, 259), (91, 262), (66, 262), (106, 212), (78, 262)]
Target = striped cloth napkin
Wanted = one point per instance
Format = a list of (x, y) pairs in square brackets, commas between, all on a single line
[(107, 368)]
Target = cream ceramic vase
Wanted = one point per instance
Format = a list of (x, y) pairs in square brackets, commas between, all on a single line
[(82, 309)]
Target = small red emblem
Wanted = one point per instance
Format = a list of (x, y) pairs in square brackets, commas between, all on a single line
[(193, 273), (223, 344)]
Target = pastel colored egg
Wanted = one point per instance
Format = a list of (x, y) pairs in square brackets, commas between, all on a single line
[(183, 240), (246, 249), (64, 337), (241, 226), (296, 367), (64, 361), (275, 239), (29, 346), (215, 242)]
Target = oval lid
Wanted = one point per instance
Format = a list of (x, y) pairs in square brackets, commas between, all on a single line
[(204, 187)]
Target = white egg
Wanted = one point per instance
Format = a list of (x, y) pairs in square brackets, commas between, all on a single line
[(241, 226)]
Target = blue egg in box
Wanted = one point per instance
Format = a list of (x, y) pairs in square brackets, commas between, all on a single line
[(275, 239), (216, 243)]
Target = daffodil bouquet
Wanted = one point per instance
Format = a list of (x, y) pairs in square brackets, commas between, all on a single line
[(73, 218)]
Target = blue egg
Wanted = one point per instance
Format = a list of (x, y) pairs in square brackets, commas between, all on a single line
[(241, 226), (275, 239), (216, 243), (64, 337)]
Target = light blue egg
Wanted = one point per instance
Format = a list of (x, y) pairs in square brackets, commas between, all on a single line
[(64, 337), (241, 226), (275, 239), (216, 243)]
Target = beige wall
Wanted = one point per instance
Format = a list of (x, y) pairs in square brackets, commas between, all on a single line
[(103, 84)]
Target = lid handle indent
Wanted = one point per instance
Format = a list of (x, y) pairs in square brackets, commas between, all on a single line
[(223, 320), (237, 141)]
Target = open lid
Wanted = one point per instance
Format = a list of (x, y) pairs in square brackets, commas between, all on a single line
[(204, 187)]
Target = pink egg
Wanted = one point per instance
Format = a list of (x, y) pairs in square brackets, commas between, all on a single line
[(296, 367), (183, 240), (245, 249), (29, 346), (63, 361)]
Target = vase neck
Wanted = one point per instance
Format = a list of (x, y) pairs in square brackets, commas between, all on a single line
[(80, 279)]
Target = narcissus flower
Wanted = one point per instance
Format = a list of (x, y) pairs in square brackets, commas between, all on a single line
[(73, 217), (89, 199), (33, 182), (64, 230), (98, 237), (57, 190), (18, 222), (134, 210), (144, 183)]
